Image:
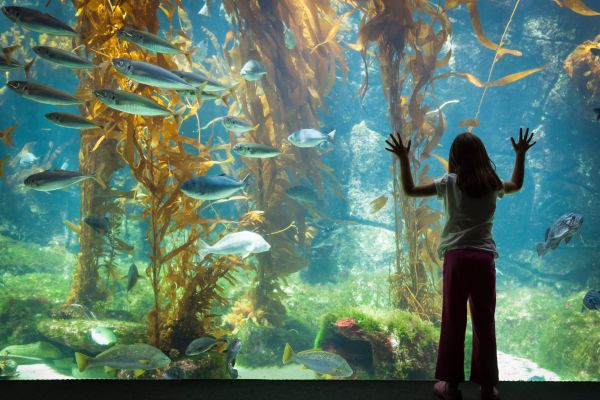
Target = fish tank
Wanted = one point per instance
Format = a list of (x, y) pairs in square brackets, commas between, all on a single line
[(201, 189)]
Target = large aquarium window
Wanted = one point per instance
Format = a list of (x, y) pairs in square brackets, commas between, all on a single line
[(199, 189)]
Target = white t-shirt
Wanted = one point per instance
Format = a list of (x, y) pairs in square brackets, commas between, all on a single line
[(469, 220)]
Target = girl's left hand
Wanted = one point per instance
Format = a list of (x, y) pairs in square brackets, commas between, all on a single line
[(397, 147)]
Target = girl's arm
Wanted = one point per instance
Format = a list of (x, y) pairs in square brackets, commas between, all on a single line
[(521, 147), (407, 182)]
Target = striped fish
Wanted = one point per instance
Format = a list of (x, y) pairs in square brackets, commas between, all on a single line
[(131, 103)]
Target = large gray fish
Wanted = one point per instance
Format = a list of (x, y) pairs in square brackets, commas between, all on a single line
[(149, 74), (591, 300), (67, 120), (98, 223), (199, 81), (57, 179), (202, 345), (563, 228), (310, 138), (147, 40), (241, 243), (37, 21), (322, 362), (139, 357), (43, 94), (255, 150), (132, 277), (253, 71), (212, 187), (303, 195), (63, 57), (131, 103), (232, 351)]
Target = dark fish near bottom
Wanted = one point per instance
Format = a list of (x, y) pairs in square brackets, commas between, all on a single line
[(132, 277), (232, 351), (98, 223), (591, 300), (202, 345)]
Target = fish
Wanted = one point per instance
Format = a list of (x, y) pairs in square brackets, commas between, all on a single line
[(310, 138), (212, 187), (236, 125), (148, 41), (57, 179), (98, 223), (564, 228), (26, 159), (233, 348), (37, 21), (3, 161), (289, 38), (595, 51), (255, 150), (205, 10), (378, 203), (74, 121), (199, 81), (37, 350), (303, 195), (149, 74), (202, 345), (132, 277), (43, 94), (241, 243), (591, 300), (253, 71), (75, 310), (597, 111), (6, 135), (203, 95), (9, 64), (131, 103), (322, 362), (103, 336), (139, 357), (63, 57)]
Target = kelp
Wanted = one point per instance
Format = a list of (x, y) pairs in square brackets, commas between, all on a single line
[(577, 6), (584, 70), (286, 99), (160, 158)]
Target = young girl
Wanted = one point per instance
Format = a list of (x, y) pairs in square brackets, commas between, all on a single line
[(469, 192)]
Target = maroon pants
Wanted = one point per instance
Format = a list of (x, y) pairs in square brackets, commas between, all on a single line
[(469, 274)]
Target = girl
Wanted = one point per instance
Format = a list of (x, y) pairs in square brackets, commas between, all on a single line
[(469, 192)]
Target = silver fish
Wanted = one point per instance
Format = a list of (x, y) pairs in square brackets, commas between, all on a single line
[(310, 138), (212, 187), (67, 120), (26, 159), (205, 10), (63, 57), (131, 103), (56, 179), (199, 81), (564, 228), (138, 356), (147, 40), (37, 21), (149, 74), (255, 150), (253, 70), (43, 94), (236, 125), (241, 243), (103, 336), (304, 195)]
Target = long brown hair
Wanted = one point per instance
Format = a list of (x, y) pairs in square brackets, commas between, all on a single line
[(469, 160)]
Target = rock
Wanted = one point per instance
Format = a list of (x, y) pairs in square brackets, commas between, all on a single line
[(398, 345), (211, 366), (18, 257), (75, 333), (513, 368)]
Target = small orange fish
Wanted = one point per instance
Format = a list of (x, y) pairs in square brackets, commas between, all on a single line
[(6, 135), (378, 203)]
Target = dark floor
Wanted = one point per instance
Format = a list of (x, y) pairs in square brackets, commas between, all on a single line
[(288, 390)]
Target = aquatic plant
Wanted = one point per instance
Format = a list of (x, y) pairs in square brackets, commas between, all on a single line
[(287, 99), (160, 159)]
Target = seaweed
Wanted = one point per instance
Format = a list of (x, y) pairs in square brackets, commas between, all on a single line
[(287, 99)]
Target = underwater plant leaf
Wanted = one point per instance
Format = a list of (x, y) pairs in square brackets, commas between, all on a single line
[(577, 6), (468, 122), (378, 203), (334, 29), (442, 160), (73, 227), (499, 82)]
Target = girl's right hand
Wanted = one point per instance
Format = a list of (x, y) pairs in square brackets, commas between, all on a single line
[(524, 142)]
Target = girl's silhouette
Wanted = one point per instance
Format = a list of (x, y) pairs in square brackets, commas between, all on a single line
[(469, 191)]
